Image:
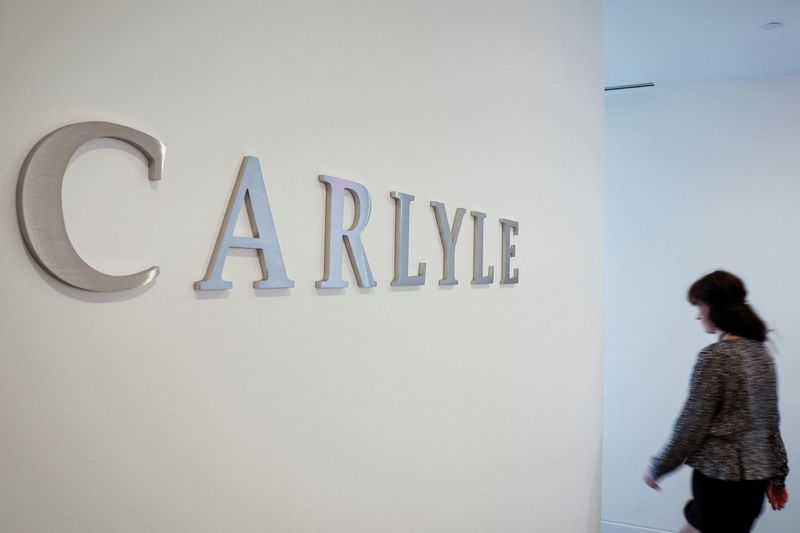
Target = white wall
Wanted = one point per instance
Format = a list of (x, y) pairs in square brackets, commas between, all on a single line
[(430, 410), (699, 177)]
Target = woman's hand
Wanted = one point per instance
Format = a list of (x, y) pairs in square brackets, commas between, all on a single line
[(777, 496), (650, 482)]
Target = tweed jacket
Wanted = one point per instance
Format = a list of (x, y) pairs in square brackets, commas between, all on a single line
[(729, 426)]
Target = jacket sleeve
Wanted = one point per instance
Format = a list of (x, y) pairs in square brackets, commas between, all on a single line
[(694, 422), (780, 457)]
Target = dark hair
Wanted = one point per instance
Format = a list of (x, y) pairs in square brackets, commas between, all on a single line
[(726, 298)]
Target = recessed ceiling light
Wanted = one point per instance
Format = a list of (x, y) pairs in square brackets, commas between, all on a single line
[(772, 25)]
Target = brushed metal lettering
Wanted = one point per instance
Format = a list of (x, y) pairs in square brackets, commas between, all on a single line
[(508, 251), (335, 234), (250, 191), (478, 278), (401, 228), (40, 210), (449, 237)]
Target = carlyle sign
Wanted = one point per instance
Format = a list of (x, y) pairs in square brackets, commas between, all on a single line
[(41, 221)]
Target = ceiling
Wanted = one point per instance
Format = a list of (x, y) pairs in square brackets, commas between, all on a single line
[(670, 42)]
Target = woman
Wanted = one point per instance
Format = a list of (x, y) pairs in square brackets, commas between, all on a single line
[(728, 429)]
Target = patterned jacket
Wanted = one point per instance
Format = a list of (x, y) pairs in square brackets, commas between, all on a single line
[(729, 426)]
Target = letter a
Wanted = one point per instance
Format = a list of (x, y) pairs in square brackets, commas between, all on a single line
[(250, 190)]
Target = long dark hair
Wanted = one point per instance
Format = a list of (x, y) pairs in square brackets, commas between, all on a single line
[(726, 298)]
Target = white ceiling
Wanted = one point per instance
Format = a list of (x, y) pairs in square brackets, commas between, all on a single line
[(693, 41)]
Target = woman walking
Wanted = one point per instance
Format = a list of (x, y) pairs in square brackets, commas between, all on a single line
[(728, 430)]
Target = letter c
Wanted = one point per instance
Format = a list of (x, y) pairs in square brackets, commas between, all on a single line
[(40, 212)]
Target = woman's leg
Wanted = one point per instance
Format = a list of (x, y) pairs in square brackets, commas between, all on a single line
[(726, 506), (687, 528)]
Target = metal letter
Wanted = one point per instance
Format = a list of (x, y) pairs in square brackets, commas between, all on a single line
[(448, 238), (40, 211), (477, 252), (335, 234), (401, 220), (250, 190), (509, 251)]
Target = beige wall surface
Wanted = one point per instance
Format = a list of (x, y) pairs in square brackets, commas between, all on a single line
[(434, 409)]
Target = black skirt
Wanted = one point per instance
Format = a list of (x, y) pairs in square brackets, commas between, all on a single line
[(724, 506)]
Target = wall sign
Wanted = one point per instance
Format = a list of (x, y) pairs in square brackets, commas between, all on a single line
[(41, 222)]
